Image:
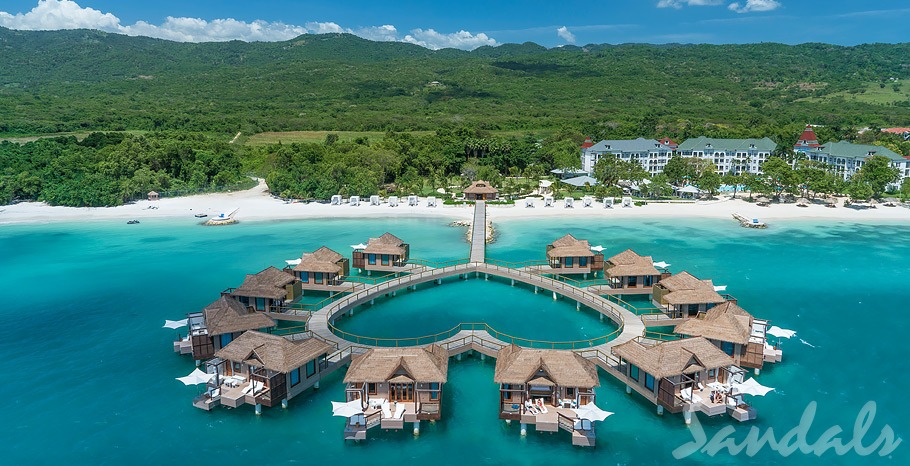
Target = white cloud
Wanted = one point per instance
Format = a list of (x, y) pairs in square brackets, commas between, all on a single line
[(754, 5), (680, 3), (566, 35), (67, 14), (433, 40)]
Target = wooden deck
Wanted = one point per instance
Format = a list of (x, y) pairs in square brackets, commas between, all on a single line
[(479, 232)]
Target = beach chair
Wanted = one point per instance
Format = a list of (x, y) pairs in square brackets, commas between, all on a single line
[(386, 410), (354, 201), (399, 410), (608, 203), (412, 201), (548, 201), (529, 203), (431, 201), (375, 200), (569, 202), (541, 406), (530, 407), (336, 199), (393, 201), (587, 201)]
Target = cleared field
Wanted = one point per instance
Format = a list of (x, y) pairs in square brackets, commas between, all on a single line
[(873, 93), (80, 135)]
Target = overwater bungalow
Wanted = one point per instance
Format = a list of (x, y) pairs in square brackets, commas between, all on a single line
[(218, 324), (388, 253), (267, 290), (682, 295), (395, 385), (481, 191), (541, 387), (569, 255), (735, 332), (631, 273), (262, 370), (683, 376), (322, 270)]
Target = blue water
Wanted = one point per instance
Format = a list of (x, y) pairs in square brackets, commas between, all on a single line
[(90, 373)]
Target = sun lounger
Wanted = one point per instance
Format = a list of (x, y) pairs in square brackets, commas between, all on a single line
[(541, 406), (386, 410), (530, 407), (582, 424), (399, 410)]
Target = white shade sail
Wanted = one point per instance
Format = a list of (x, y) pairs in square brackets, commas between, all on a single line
[(720, 288), (591, 412), (597, 248), (780, 332), (661, 264), (751, 387), (359, 246), (351, 408), (294, 261), (175, 324), (196, 377)]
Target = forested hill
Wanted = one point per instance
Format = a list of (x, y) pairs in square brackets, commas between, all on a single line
[(88, 80)]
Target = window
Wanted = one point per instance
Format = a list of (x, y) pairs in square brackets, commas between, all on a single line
[(310, 368), (385, 259), (434, 393), (649, 381), (633, 281), (633, 372), (582, 261), (712, 372), (318, 277), (568, 262), (371, 258), (305, 277), (371, 389), (237, 368), (570, 392), (506, 393), (727, 347), (295, 377), (226, 338), (260, 304)]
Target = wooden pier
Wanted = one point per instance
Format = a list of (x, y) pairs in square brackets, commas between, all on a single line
[(479, 232)]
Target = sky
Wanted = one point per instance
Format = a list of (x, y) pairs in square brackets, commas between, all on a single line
[(468, 24)]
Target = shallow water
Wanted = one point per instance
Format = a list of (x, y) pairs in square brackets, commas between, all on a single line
[(91, 373)]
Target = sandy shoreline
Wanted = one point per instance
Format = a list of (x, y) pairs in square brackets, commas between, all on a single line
[(257, 205)]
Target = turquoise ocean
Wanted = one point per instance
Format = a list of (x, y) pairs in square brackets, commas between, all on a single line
[(89, 372)]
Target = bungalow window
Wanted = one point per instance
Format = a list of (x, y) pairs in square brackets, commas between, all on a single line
[(568, 262), (371, 389), (305, 277), (649, 280), (570, 392), (310, 368), (649, 381), (633, 372), (434, 393), (318, 277), (226, 338), (582, 261), (385, 259), (371, 259), (260, 304), (727, 347), (712, 372), (295, 377), (633, 280), (236, 368)]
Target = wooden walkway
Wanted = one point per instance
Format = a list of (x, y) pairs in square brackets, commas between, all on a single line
[(479, 232)]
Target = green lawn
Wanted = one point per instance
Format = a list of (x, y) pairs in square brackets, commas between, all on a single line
[(873, 93)]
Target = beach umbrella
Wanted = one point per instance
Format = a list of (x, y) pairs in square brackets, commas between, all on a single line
[(661, 264), (591, 412), (597, 248), (175, 324), (689, 190), (780, 332), (196, 377), (359, 246), (351, 408), (720, 288), (294, 261), (751, 387)]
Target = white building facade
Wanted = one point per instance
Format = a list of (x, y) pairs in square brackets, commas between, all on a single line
[(730, 155), (651, 154)]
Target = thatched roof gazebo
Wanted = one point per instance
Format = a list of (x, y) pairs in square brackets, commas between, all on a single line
[(272, 352), (321, 267), (267, 288), (481, 191), (519, 366), (629, 269), (427, 364), (573, 255), (673, 358), (685, 295)]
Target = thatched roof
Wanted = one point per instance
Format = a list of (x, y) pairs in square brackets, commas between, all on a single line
[(428, 364), (270, 283), (725, 322), (629, 264), (517, 365), (671, 358), (385, 244), (321, 260), (227, 315), (272, 352), (686, 289), (480, 187), (568, 246)]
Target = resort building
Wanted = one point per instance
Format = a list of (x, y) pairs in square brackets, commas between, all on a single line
[(322, 269), (669, 143), (387, 253), (807, 141), (846, 158), (394, 386), (541, 387), (683, 376), (217, 325), (568, 255), (267, 290), (481, 191), (263, 370), (682, 295), (730, 155), (630, 273), (650, 153), (733, 330)]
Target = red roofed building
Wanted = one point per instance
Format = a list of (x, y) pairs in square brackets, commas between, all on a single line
[(588, 143), (807, 141), (668, 142)]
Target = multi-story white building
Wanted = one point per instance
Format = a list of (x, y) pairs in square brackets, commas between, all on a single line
[(846, 158), (650, 153), (730, 155)]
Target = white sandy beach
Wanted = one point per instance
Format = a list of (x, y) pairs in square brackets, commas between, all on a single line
[(257, 204)]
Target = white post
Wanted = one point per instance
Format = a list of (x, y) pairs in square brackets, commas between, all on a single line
[(554, 296), (513, 282), (687, 416), (660, 410), (284, 403), (524, 429), (757, 371), (458, 357), (483, 357), (417, 427), (372, 301), (258, 409), (628, 389), (577, 306), (316, 385), (395, 293), (486, 276), (535, 289)]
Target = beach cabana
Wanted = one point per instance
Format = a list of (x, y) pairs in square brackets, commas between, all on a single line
[(322, 269), (682, 376), (221, 322), (387, 253), (267, 290), (264, 370), (396, 385), (568, 255), (481, 191), (154, 196), (682, 295), (733, 330), (628, 271), (541, 387)]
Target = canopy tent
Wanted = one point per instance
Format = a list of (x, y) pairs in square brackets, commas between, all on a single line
[(751, 387), (661, 265), (351, 408), (196, 377), (175, 324), (597, 248), (591, 412), (293, 262), (358, 246), (781, 332)]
